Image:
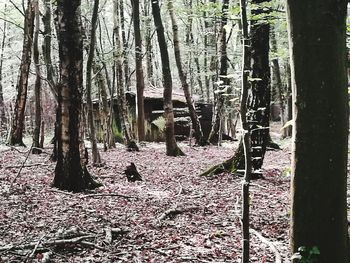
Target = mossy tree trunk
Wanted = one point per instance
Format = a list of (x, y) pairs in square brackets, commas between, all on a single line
[(171, 146), (317, 33), (258, 103), (70, 173)]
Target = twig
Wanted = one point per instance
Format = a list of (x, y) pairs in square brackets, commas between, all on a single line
[(35, 248), (108, 194), (90, 244), (19, 172), (270, 244)]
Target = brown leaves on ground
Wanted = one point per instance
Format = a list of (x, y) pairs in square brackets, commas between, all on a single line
[(173, 215)]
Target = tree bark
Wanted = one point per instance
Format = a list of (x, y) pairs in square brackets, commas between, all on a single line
[(96, 158), (16, 134), (140, 83), (71, 173), (320, 131), (277, 81), (171, 146), (148, 43), (46, 48), (246, 135), (121, 100), (258, 101), (37, 86), (3, 119), (224, 86), (198, 134)]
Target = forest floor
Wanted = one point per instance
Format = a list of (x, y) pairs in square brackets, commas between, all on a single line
[(173, 215)]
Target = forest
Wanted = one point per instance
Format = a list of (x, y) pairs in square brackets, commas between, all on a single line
[(174, 131)]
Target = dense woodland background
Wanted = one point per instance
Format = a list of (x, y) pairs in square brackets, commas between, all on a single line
[(234, 90)]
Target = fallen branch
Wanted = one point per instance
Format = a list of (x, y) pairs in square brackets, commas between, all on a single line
[(76, 240), (172, 212), (270, 244), (27, 165)]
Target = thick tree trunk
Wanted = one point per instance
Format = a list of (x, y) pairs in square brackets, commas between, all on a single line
[(16, 134), (258, 101), (320, 132), (37, 87), (140, 83), (198, 134), (171, 146), (96, 159), (70, 173)]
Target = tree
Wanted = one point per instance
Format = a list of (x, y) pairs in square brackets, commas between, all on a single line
[(258, 103), (37, 86), (320, 132), (121, 100), (3, 119), (140, 82), (96, 158), (16, 133), (198, 134), (71, 173), (225, 83), (171, 146)]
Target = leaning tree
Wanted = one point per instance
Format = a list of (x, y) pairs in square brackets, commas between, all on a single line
[(70, 173), (317, 33)]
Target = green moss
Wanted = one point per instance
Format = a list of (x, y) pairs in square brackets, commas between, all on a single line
[(118, 135)]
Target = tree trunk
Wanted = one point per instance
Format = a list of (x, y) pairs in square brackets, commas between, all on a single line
[(246, 135), (140, 83), (16, 134), (46, 48), (3, 119), (289, 129), (258, 102), (320, 132), (224, 86), (277, 82), (37, 87), (96, 159), (110, 140), (71, 173), (198, 134), (148, 42), (121, 100), (125, 46), (171, 146)]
